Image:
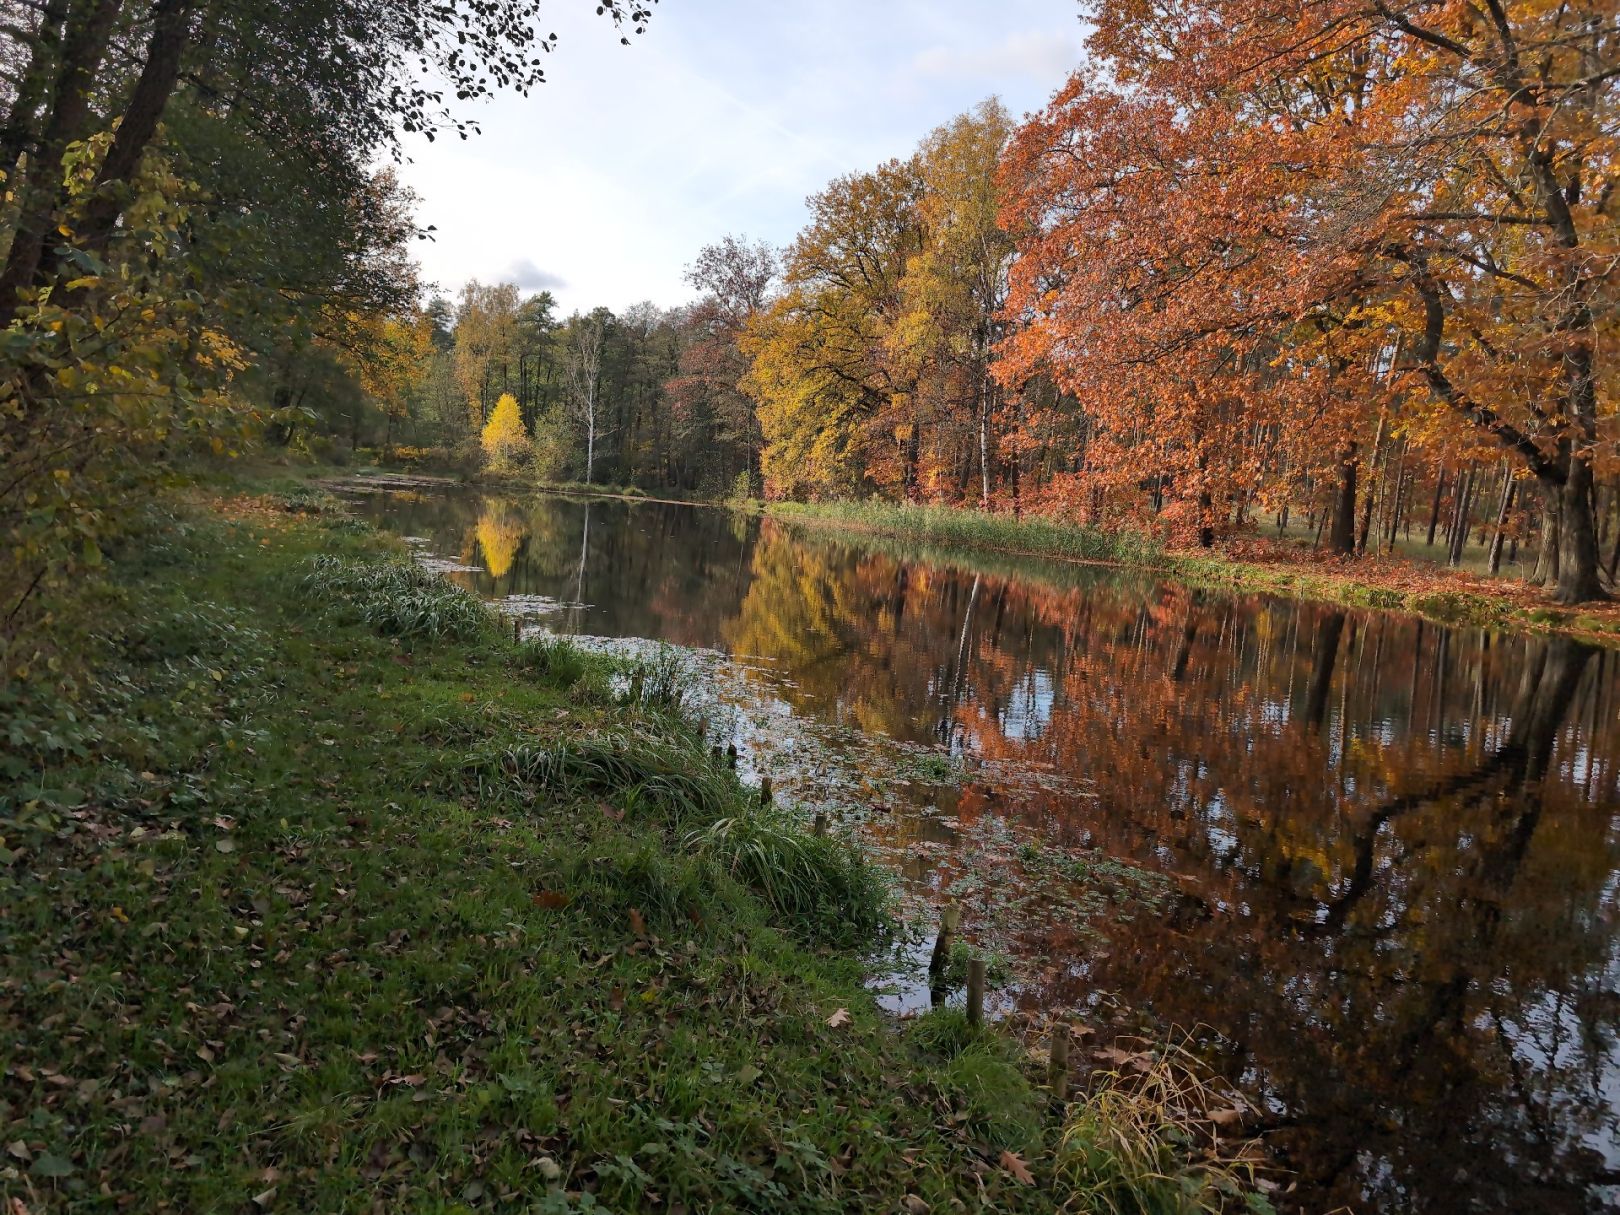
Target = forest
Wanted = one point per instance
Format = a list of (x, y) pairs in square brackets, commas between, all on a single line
[(1289, 282)]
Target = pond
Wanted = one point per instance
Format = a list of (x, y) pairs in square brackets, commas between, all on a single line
[(1372, 865)]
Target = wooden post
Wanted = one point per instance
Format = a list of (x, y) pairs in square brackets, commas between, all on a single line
[(949, 917), (765, 791), (820, 827), (731, 755), (1057, 1071), (716, 754), (517, 631), (975, 991)]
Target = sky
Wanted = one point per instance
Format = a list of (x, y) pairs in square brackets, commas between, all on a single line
[(603, 183)]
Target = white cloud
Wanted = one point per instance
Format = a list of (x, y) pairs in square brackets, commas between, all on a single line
[(1042, 54), (721, 118), (527, 276)]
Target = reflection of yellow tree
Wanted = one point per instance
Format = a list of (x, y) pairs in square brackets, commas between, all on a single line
[(500, 532)]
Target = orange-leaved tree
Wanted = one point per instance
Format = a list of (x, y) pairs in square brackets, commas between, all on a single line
[(1289, 226)]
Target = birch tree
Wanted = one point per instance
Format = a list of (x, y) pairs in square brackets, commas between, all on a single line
[(583, 359)]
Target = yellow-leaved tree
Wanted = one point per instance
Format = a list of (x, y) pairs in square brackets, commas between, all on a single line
[(505, 438)]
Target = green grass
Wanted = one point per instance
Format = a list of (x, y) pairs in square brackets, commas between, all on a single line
[(948, 527), (319, 894)]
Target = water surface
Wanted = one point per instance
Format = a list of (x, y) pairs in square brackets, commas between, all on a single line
[(1373, 860)]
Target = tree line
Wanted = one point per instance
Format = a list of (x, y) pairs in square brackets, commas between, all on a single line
[(1339, 270)]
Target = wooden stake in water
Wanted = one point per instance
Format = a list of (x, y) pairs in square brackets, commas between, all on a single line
[(1057, 1071), (765, 791), (731, 755), (820, 827), (517, 631), (949, 917), (975, 991)]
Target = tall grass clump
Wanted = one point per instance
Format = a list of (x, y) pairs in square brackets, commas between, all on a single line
[(559, 661), (300, 499), (820, 887), (950, 526), (654, 775), (398, 599), (659, 678), (1131, 1147)]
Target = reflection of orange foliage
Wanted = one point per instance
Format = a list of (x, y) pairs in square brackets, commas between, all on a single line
[(1343, 799), (500, 533)]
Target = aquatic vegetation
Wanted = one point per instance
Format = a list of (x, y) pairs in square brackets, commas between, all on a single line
[(659, 677)]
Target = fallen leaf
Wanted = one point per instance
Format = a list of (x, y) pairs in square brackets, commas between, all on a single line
[(611, 814), (225, 845), (637, 924), (48, 1164), (551, 900), (839, 1019), (1014, 1164)]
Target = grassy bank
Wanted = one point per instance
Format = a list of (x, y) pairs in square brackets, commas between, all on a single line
[(1442, 596), (948, 527), (321, 894)]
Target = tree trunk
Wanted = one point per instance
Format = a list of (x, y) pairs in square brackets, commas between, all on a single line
[(1373, 482), (1402, 482), (22, 123), (1501, 522), (984, 443), (908, 472), (171, 30), (1547, 552), (1434, 510), (1459, 527), (84, 46), (1342, 539), (1578, 579)]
